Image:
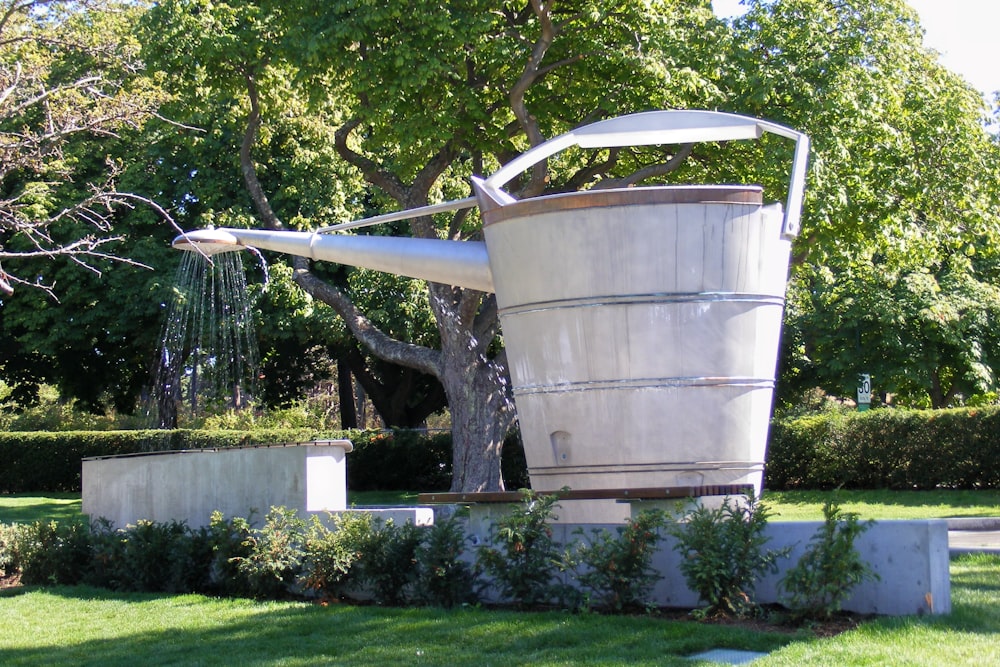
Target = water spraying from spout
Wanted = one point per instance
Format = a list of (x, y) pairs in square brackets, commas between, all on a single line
[(208, 361), (263, 266)]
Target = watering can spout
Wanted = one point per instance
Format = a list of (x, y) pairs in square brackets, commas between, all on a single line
[(459, 263)]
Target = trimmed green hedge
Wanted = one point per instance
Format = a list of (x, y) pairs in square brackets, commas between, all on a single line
[(50, 461), (381, 460), (888, 448), (895, 449), (399, 460)]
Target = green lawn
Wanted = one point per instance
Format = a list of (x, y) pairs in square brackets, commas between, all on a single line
[(31, 507), (86, 626), (938, 504), (785, 505)]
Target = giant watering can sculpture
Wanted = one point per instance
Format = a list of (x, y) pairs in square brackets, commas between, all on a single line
[(641, 324)]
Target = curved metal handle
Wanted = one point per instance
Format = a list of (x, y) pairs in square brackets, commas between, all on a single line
[(670, 127), (639, 129)]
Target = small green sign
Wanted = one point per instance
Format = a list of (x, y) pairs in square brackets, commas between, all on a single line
[(864, 391)]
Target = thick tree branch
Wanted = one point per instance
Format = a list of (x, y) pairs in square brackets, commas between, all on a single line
[(529, 75), (387, 348), (364, 330), (650, 171), (247, 164), (369, 169)]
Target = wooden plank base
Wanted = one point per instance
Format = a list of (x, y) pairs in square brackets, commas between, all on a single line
[(622, 495)]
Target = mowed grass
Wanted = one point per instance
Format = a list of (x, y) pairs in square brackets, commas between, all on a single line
[(784, 505), (966, 636), (86, 626), (884, 504), (32, 507)]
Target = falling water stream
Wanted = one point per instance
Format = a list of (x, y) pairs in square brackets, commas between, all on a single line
[(208, 360)]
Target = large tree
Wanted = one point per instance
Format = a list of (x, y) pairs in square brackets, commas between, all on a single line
[(431, 93), (67, 83), (902, 171), (211, 53), (72, 96), (895, 272)]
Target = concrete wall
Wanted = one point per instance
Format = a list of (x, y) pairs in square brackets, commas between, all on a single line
[(910, 557), (189, 485)]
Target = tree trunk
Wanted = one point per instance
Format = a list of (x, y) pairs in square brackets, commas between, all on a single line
[(481, 414), (345, 392), (474, 383)]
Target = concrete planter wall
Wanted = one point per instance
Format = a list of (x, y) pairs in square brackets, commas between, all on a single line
[(910, 557), (189, 485)]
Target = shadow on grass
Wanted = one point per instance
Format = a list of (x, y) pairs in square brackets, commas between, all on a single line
[(158, 630), (87, 626), (32, 507)]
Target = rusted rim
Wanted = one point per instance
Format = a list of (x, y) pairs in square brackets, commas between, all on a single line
[(751, 195)]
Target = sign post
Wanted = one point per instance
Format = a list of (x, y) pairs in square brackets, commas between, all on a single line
[(864, 391)]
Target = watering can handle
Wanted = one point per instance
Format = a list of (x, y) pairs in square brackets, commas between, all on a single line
[(640, 129), (670, 127)]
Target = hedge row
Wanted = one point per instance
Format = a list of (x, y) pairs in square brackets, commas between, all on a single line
[(50, 461), (894, 449), (381, 460)]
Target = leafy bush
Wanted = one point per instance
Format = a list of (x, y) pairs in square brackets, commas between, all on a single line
[(444, 579), (227, 540), (51, 412), (149, 556), (819, 583), (272, 554), (723, 554), (47, 552), (617, 568), (387, 568), (8, 559), (331, 555), (522, 557)]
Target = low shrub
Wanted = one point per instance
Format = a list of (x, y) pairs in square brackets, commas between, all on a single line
[(8, 558), (150, 556), (227, 540), (444, 578), (271, 556), (47, 552), (819, 583), (387, 567), (522, 558), (723, 554), (617, 568), (331, 554)]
